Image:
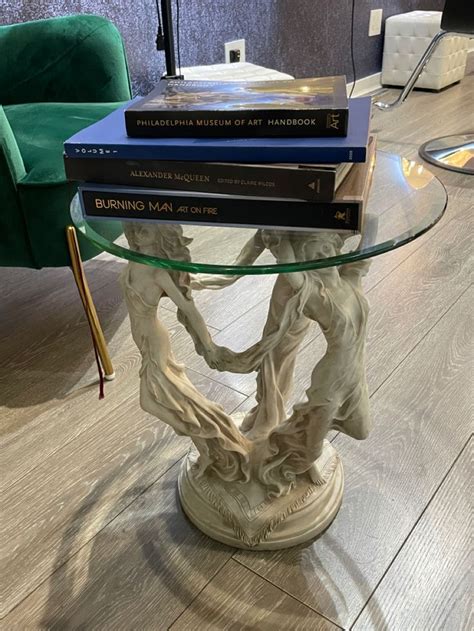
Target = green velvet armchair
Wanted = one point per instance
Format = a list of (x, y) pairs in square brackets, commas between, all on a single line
[(57, 76)]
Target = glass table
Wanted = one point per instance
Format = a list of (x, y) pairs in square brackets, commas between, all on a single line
[(273, 480)]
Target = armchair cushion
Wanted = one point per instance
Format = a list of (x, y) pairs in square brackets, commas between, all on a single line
[(40, 130), (43, 193)]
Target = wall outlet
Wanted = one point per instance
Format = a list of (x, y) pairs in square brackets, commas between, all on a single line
[(234, 51), (375, 22)]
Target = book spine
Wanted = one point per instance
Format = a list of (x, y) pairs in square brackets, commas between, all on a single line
[(97, 150), (236, 124), (209, 153), (139, 204), (227, 179)]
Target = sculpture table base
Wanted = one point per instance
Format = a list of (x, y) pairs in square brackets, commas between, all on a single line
[(274, 481), (242, 515)]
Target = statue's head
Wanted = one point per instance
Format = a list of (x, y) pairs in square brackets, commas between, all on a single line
[(295, 246), (309, 246), (163, 240), (271, 239)]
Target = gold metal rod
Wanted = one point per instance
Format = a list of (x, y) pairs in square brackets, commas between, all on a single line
[(88, 303)]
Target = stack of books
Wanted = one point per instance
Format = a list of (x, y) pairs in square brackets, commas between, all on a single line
[(285, 154)]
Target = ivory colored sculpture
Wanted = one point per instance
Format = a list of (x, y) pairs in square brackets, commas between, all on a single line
[(274, 481)]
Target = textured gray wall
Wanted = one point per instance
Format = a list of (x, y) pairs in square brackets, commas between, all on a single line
[(302, 37)]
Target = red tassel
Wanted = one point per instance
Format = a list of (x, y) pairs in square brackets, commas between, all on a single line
[(101, 372)]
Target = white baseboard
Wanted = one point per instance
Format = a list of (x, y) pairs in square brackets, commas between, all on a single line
[(365, 85)]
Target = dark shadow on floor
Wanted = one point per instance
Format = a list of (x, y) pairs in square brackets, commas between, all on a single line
[(149, 564)]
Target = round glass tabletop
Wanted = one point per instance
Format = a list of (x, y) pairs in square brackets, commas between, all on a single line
[(405, 201)]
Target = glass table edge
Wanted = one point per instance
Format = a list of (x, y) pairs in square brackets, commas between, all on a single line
[(248, 270)]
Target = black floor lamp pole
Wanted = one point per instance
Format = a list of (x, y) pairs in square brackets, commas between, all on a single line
[(169, 40)]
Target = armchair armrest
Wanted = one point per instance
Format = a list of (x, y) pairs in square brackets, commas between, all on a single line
[(15, 248), (70, 59), (9, 152)]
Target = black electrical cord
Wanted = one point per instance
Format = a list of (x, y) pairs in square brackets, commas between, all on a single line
[(158, 12), (160, 38), (177, 37), (352, 49)]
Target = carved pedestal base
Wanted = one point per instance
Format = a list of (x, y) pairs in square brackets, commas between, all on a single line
[(244, 516), (274, 481)]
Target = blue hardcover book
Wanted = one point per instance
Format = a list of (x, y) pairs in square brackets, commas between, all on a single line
[(108, 138)]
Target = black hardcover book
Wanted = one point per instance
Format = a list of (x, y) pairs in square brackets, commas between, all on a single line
[(297, 107), (178, 207), (344, 214), (311, 182)]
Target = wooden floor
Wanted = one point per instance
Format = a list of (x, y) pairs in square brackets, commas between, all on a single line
[(92, 536)]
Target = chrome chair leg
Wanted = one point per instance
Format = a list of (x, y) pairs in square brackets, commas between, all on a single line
[(89, 308), (414, 75)]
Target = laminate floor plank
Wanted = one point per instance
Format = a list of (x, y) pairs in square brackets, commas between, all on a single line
[(422, 418), (239, 599), (51, 462), (426, 114), (36, 402), (50, 301), (52, 364), (223, 307), (140, 571), (41, 411), (48, 427), (107, 464), (415, 296), (436, 565), (47, 350), (58, 321), (15, 280), (459, 204)]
